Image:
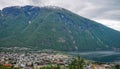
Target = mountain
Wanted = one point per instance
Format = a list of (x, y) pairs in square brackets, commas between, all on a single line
[(54, 28)]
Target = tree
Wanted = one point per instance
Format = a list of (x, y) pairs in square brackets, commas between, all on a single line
[(116, 67), (58, 66), (77, 63)]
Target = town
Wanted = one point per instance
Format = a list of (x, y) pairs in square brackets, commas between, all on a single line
[(32, 60), (45, 58)]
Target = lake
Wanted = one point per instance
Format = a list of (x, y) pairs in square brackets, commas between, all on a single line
[(100, 56)]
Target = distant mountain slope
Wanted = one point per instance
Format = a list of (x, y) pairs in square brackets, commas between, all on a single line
[(53, 28)]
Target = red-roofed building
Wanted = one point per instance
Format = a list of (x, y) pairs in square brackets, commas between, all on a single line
[(7, 65)]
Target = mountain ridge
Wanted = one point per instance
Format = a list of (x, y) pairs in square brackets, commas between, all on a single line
[(51, 28)]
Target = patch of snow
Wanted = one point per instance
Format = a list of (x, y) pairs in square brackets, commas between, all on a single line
[(52, 7), (29, 22), (107, 46), (70, 31), (76, 47), (53, 29), (62, 16), (35, 13), (33, 7), (74, 42), (29, 13), (1, 14), (61, 39)]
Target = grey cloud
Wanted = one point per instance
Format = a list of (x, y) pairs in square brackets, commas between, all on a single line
[(87, 8), (112, 15), (93, 9), (100, 8)]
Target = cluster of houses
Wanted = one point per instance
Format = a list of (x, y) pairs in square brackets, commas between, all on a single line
[(92, 65), (36, 60), (101, 66)]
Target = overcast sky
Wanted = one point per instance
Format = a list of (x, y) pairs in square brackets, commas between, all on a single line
[(106, 12)]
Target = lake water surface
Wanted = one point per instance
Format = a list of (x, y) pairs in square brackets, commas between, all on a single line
[(101, 56)]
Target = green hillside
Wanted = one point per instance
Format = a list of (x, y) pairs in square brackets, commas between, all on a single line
[(54, 28)]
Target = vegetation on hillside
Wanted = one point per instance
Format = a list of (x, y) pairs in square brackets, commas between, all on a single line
[(53, 28)]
